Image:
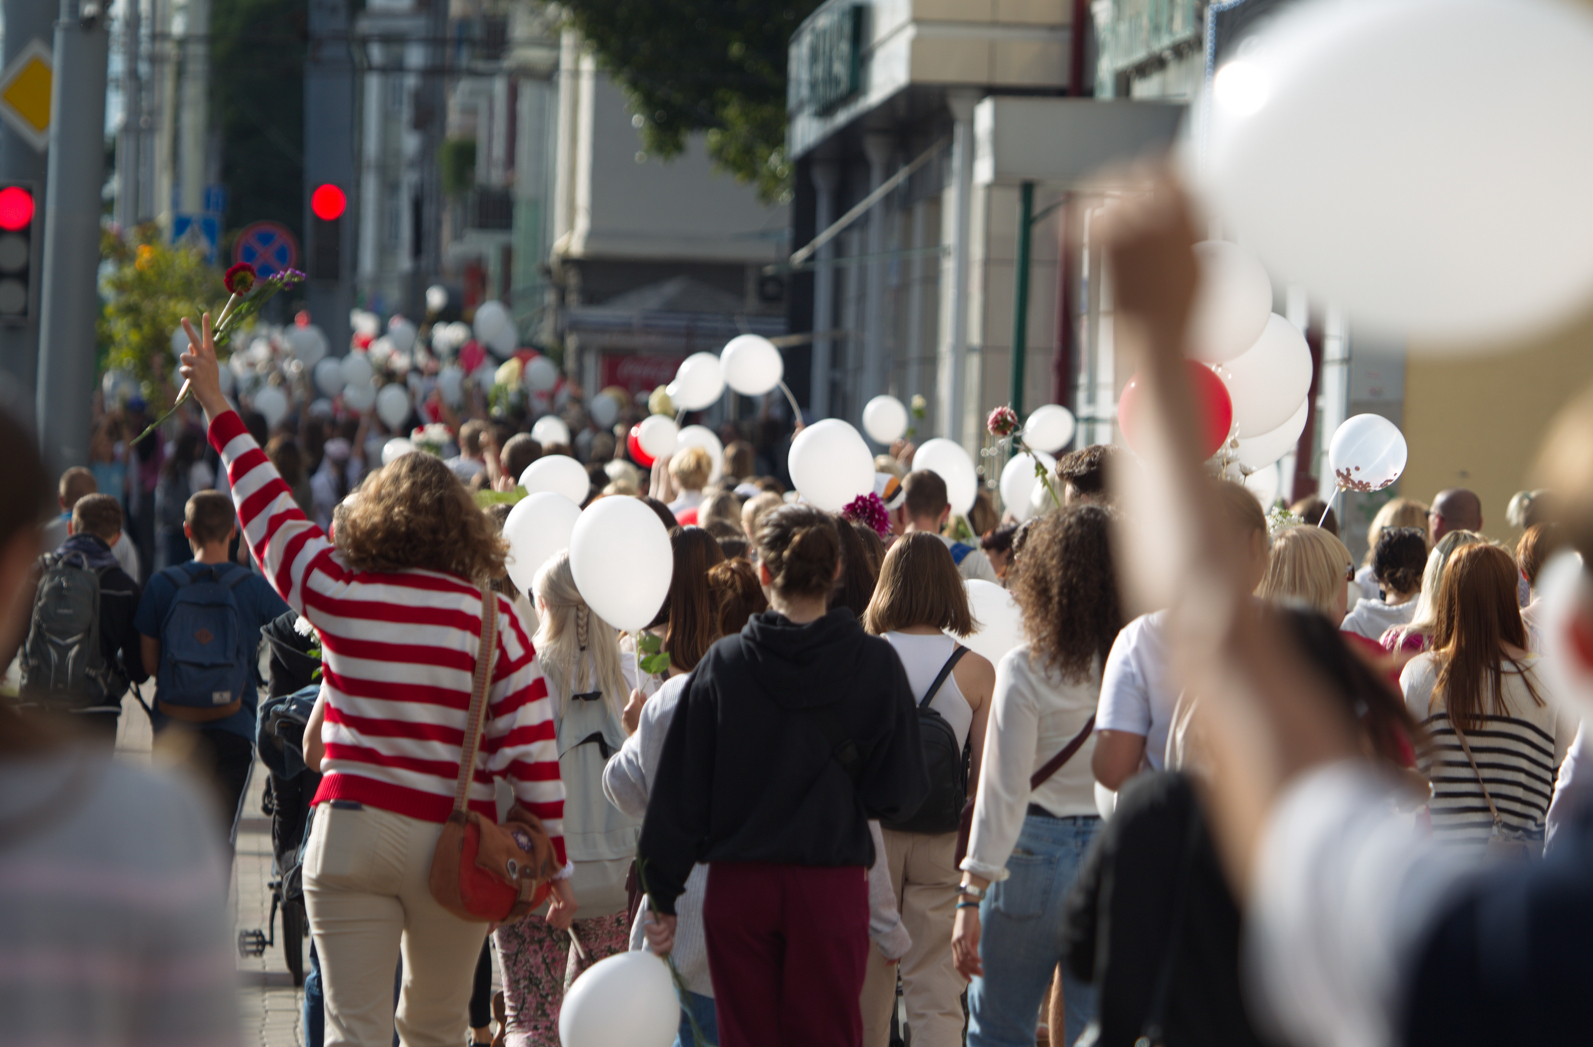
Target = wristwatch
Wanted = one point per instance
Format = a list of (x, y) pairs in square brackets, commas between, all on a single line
[(969, 890)]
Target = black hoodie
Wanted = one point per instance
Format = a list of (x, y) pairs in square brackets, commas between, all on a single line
[(748, 773)]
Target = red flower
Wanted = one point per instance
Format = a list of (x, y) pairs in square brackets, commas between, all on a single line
[(1003, 422), (869, 510), (240, 278)]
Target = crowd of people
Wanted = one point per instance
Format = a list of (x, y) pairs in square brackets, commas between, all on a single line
[(1272, 809)]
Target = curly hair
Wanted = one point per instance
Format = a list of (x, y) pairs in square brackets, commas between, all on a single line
[(414, 513), (1067, 589)]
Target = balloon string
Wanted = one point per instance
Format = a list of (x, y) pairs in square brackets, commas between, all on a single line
[(1329, 508), (796, 412)]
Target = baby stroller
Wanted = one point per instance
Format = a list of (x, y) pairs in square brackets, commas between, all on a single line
[(291, 786)]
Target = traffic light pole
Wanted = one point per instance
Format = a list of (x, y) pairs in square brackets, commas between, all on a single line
[(72, 232), (20, 162), (329, 138)]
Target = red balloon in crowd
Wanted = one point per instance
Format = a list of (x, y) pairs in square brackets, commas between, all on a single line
[(633, 443), (1212, 404)]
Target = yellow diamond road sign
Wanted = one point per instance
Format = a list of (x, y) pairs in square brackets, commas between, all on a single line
[(25, 94)]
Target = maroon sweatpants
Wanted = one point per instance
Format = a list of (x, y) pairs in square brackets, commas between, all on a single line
[(787, 948)]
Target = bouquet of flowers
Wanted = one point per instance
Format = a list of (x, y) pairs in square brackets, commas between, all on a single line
[(1003, 424), (434, 438), (247, 293)]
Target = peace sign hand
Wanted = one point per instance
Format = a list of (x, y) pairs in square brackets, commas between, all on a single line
[(202, 370)]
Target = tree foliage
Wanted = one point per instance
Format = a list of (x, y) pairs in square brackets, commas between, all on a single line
[(703, 65), (148, 286)]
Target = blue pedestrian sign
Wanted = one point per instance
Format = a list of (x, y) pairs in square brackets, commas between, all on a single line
[(199, 232), (268, 246)]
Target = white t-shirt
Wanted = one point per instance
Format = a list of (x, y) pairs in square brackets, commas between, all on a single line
[(975, 565), (1373, 618), (1138, 695), (923, 657)]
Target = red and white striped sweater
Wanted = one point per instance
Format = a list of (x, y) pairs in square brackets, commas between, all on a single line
[(398, 650)]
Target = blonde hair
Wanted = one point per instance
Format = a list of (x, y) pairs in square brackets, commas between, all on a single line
[(722, 506), (575, 646), (1307, 564), (755, 509), (691, 468), (1424, 620), (1399, 512)]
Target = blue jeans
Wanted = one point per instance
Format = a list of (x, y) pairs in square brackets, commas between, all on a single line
[(1020, 940), (701, 1008)]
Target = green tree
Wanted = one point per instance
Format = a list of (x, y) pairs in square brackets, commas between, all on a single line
[(147, 287), (703, 65), (257, 68)]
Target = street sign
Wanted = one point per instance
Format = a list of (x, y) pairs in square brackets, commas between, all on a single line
[(215, 199), (267, 246), (200, 232), (25, 94)]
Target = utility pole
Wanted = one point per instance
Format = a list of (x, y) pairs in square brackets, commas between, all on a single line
[(130, 138), (20, 161), (329, 160), (72, 231), (195, 127)]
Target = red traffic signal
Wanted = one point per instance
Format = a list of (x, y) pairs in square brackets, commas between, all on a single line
[(16, 208), (327, 202)]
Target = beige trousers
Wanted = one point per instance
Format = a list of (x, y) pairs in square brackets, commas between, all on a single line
[(365, 885), (925, 880)]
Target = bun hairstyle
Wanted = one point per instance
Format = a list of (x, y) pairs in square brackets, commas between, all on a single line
[(801, 548)]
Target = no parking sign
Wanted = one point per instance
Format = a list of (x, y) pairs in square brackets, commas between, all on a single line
[(268, 246)]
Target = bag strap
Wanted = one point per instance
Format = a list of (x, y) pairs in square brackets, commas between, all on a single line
[(475, 719), (945, 671), (1054, 764), (1498, 823)]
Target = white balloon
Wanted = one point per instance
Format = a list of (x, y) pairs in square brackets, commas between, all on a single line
[(357, 369), (1040, 502), (226, 380), (1018, 482), (491, 317), (364, 322), (698, 383), (1000, 622), (271, 402), (395, 449), (1258, 451), (1049, 428), (1232, 303), (1367, 453), (451, 383), (751, 364), (951, 463), (704, 437), (541, 374), (392, 405), (627, 1000), (322, 408), (459, 333), (604, 410), (622, 562), (658, 435), (884, 419), (550, 430), (402, 333), (830, 464), (359, 397), (1265, 483), (308, 343), (1268, 381), (1352, 145), (558, 473), (329, 376), (537, 528), (179, 342), (503, 342), (381, 351)]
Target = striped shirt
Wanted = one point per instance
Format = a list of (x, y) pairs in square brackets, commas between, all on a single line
[(398, 650), (1517, 753)]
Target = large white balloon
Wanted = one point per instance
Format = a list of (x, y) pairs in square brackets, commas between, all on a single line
[(559, 473), (658, 435), (1352, 146), (179, 342), (402, 333), (395, 449), (1049, 428), (884, 419), (627, 1000), (1265, 483), (329, 376), (491, 318), (751, 364), (951, 463), (830, 464), (1232, 303), (698, 383), (1367, 453), (550, 431), (1000, 622), (1257, 451), (359, 397), (308, 343), (604, 410), (1268, 381), (271, 402), (1018, 482), (541, 374), (503, 342), (357, 369), (451, 383), (702, 436), (537, 528), (622, 562), (392, 405)]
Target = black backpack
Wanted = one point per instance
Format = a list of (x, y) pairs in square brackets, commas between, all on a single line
[(62, 666), (946, 761)]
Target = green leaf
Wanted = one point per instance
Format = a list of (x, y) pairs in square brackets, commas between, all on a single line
[(655, 664), (486, 498), (649, 643)]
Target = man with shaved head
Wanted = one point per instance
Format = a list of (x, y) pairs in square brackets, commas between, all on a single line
[(1456, 509)]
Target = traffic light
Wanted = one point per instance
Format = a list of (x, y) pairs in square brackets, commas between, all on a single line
[(16, 252), (327, 204)]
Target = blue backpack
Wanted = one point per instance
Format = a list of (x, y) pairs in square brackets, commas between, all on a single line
[(960, 551), (204, 662)]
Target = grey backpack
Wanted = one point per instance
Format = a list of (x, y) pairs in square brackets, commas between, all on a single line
[(62, 666)]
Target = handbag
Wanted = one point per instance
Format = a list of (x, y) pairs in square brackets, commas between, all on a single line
[(1502, 843), (482, 871), (1038, 778)]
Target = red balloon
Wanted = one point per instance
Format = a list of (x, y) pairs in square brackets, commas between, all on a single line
[(1212, 404), (633, 443)]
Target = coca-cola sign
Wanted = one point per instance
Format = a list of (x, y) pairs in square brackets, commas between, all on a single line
[(639, 372)]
